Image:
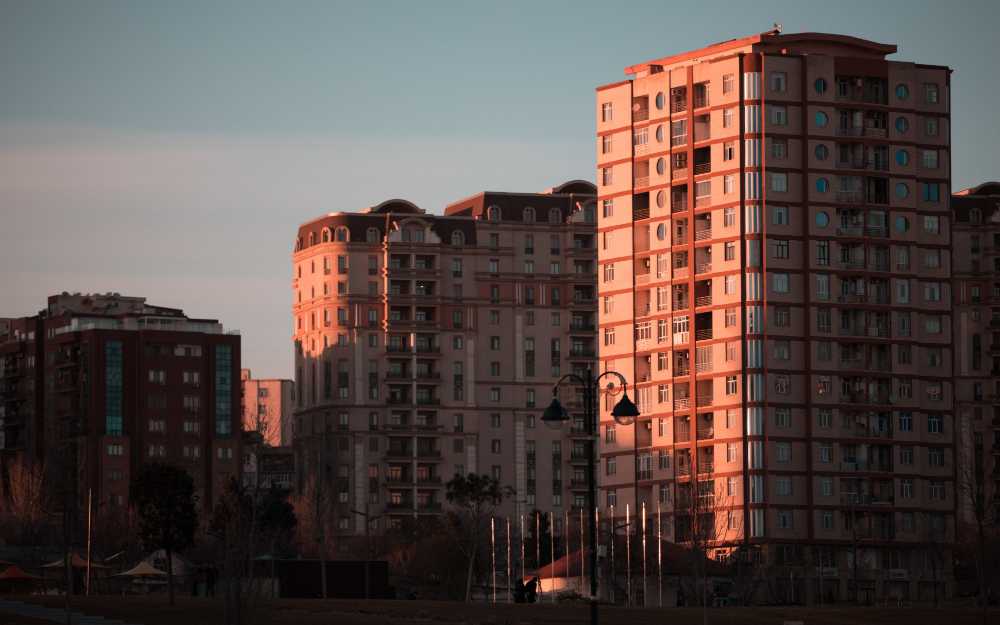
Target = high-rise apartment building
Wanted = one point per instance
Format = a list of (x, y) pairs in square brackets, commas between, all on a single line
[(776, 279), (976, 241), (267, 407), (94, 385), (426, 346)]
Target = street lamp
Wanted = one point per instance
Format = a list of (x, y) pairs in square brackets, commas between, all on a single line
[(555, 417), (368, 524)]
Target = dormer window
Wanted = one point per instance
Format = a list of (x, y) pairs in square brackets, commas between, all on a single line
[(372, 236), (555, 216), (494, 213), (456, 238), (529, 214), (342, 235)]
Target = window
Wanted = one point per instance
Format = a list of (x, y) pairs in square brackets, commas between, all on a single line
[(931, 159), (935, 424), (784, 483), (782, 384), (781, 350), (779, 115), (606, 112), (612, 498), (779, 182), (932, 291), (822, 252), (826, 485), (730, 285), (728, 151), (779, 81), (729, 184), (822, 319), (784, 519), (729, 217), (116, 450), (730, 317), (779, 148), (780, 247), (906, 522), (606, 144), (494, 394), (609, 272), (610, 434), (906, 454), (822, 286), (779, 282), (936, 490), (732, 386), (932, 324), (930, 92), (728, 117), (611, 466), (824, 350), (826, 450), (609, 336), (732, 452), (784, 451), (825, 417), (779, 215), (782, 316), (906, 421), (931, 126), (783, 417), (607, 176), (906, 488), (935, 456)]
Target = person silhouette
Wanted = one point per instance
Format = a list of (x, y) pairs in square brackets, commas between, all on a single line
[(519, 591), (531, 589)]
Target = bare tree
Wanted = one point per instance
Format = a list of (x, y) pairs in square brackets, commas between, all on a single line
[(25, 508), (935, 536), (706, 521), (476, 498), (316, 503), (977, 493)]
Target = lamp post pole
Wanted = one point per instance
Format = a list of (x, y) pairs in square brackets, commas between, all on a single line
[(555, 416), (368, 524)]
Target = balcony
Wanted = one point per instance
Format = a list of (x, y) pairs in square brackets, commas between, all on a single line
[(705, 401), (878, 199), (682, 436), (428, 453), (398, 349), (706, 467), (703, 168), (427, 349), (703, 201), (878, 165), (703, 235), (860, 532), (399, 479), (641, 149), (399, 453), (850, 163), (581, 352), (583, 327), (679, 105), (850, 231), (876, 133), (850, 197), (578, 455), (640, 182), (854, 499), (640, 116), (399, 505), (680, 273), (706, 434), (878, 265), (428, 401), (428, 375), (679, 174), (683, 470), (639, 214), (678, 206), (703, 367), (701, 102), (430, 505), (703, 335), (394, 400), (851, 365), (701, 268), (704, 300), (847, 131), (682, 403), (851, 264)]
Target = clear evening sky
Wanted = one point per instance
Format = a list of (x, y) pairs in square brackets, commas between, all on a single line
[(170, 149)]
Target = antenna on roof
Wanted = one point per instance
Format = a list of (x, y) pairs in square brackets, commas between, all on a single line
[(778, 28)]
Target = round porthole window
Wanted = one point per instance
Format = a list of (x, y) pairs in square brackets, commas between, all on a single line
[(661, 231), (822, 152), (661, 166), (820, 85), (659, 134), (822, 219), (902, 224), (902, 92), (902, 190), (902, 124), (902, 157), (659, 100), (821, 119), (822, 185), (661, 200)]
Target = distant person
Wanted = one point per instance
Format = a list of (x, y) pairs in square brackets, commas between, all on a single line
[(412, 596), (519, 591), (531, 590)]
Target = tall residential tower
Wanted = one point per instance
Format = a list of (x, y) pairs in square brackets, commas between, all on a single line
[(775, 277)]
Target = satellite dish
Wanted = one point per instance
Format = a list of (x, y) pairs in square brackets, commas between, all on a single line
[(635, 107), (892, 399)]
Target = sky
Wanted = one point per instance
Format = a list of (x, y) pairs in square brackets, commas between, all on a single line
[(170, 150)]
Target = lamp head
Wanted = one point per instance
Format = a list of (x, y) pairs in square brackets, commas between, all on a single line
[(555, 416), (625, 412)]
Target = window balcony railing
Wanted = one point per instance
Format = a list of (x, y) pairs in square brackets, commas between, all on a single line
[(706, 467), (848, 131), (850, 163), (705, 401), (703, 168), (703, 335), (878, 165), (639, 214), (679, 106), (641, 149), (877, 133), (878, 231), (640, 182), (682, 403), (850, 231), (878, 265), (428, 453), (640, 116), (701, 268), (679, 174), (703, 235), (706, 434), (851, 264), (703, 201), (850, 197), (678, 140), (700, 103), (678, 206), (878, 198)]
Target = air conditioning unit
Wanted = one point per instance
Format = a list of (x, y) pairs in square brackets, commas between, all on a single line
[(709, 417), (649, 425), (710, 450)]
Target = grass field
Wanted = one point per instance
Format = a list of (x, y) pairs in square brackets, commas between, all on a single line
[(201, 611)]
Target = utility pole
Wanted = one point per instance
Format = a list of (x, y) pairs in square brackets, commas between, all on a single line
[(90, 510), (368, 524)]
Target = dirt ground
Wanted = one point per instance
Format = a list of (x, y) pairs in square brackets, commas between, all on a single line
[(205, 611)]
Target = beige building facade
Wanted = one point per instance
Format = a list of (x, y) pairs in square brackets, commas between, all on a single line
[(426, 346), (775, 276)]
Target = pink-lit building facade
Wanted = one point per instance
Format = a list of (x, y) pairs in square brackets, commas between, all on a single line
[(775, 276), (426, 346)]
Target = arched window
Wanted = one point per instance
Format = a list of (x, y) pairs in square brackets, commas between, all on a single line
[(342, 235), (312, 239), (326, 235), (494, 213), (373, 235), (298, 244), (529, 214), (974, 216), (554, 216), (456, 238)]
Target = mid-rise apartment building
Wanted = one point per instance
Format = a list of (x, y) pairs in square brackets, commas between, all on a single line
[(267, 407), (976, 241), (776, 279), (426, 346), (94, 385)]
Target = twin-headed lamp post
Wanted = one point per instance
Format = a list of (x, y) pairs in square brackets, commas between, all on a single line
[(555, 417)]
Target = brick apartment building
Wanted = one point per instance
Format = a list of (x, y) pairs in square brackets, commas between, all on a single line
[(976, 241), (94, 385), (427, 346), (776, 278), (266, 406)]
